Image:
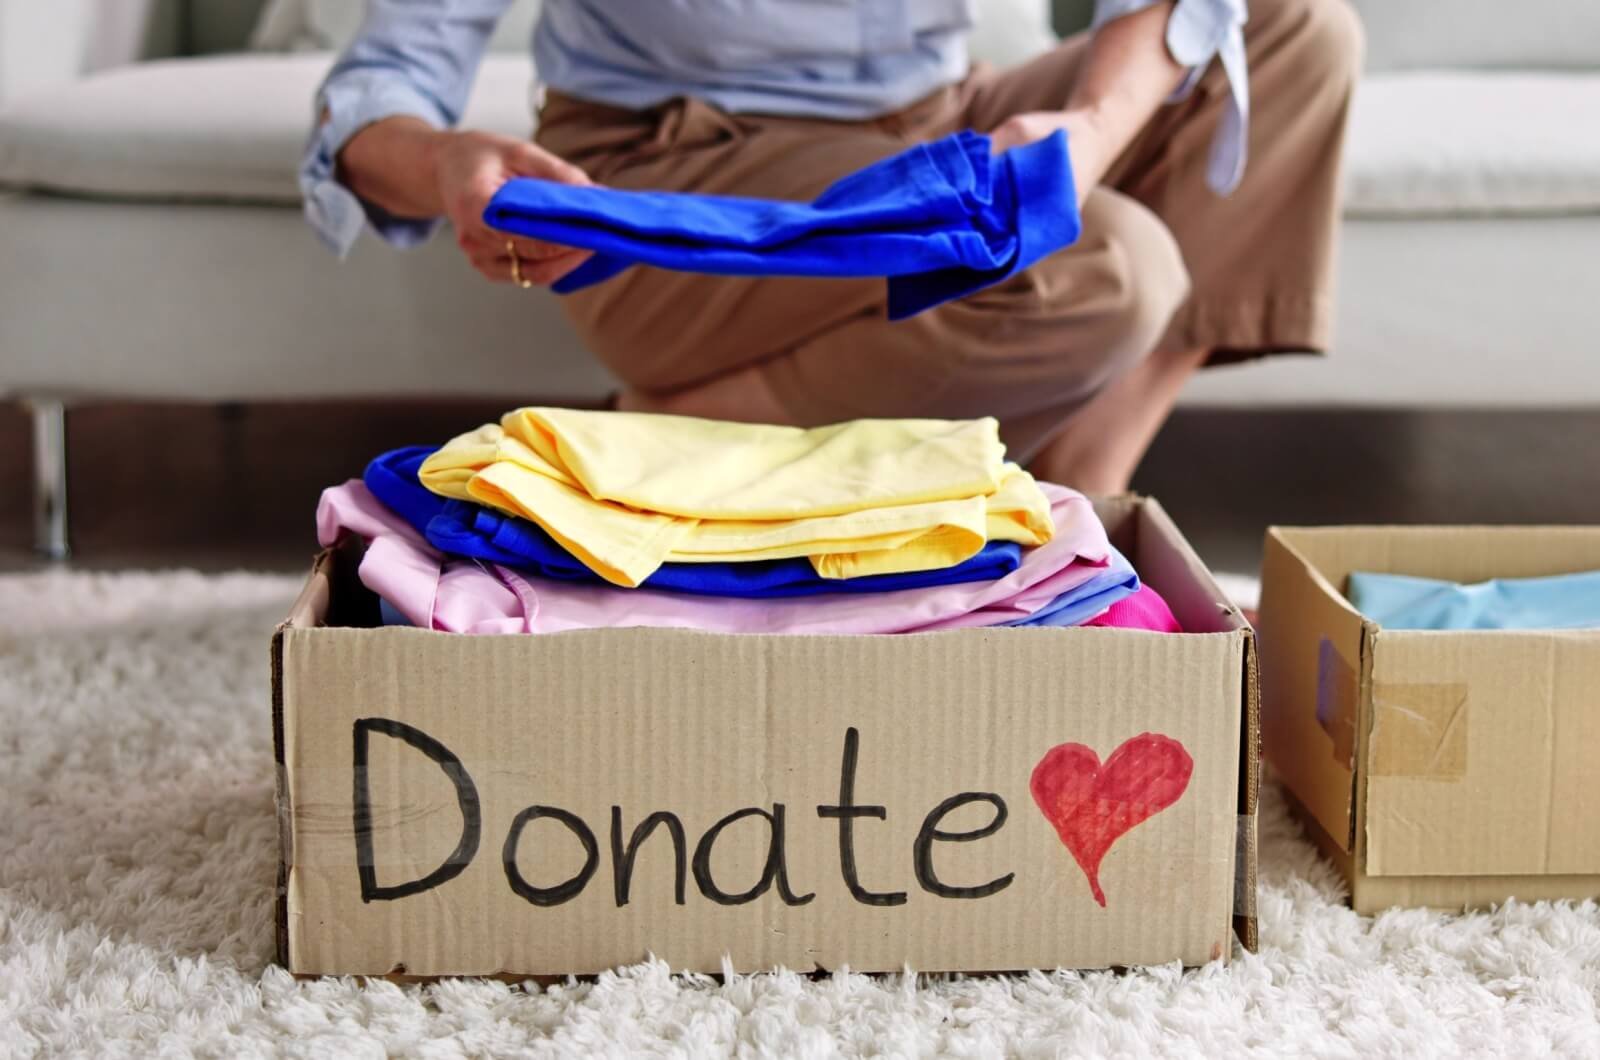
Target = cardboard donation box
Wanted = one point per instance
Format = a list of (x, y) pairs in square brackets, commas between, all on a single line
[(1438, 768), (984, 799)]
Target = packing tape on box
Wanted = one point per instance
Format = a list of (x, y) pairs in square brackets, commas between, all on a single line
[(1419, 730)]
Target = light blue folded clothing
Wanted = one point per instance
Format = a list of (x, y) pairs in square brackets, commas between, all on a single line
[(1398, 601), (1089, 600)]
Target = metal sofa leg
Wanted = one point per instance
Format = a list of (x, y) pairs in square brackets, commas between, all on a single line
[(50, 478)]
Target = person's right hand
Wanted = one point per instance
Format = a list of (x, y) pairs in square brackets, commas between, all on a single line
[(469, 167), (1085, 144), (410, 169)]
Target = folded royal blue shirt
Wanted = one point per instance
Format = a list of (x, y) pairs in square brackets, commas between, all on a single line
[(939, 220), (472, 530)]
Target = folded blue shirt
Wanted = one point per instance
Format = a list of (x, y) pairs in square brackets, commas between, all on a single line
[(939, 220), (1077, 606), (1399, 601), (478, 532)]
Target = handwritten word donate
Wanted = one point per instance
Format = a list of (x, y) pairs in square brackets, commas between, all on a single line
[(624, 845)]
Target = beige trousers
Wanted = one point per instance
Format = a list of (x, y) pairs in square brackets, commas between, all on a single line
[(1164, 264)]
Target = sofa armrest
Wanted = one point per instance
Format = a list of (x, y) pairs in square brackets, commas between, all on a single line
[(44, 45)]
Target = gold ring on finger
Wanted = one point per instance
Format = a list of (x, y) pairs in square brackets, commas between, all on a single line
[(516, 267)]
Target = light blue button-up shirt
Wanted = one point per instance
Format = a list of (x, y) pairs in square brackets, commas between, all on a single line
[(846, 59)]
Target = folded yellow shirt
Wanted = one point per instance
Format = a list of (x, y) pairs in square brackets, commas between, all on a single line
[(626, 492), (714, 469)]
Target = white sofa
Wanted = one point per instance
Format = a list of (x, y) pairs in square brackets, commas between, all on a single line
[(151, 245)]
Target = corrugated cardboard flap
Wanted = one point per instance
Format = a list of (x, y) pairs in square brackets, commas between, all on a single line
[(309, 610), (1317, 654)]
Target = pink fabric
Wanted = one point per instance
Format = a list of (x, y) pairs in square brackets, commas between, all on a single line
[(1145, 609), (460, 596), (405, 570)]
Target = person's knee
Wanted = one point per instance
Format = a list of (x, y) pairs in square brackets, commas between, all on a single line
[(1141, 278), (1071, 322), (1124, 276), (1085, 316)]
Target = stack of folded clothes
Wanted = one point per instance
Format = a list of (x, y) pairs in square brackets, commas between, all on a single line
[(556, 519)]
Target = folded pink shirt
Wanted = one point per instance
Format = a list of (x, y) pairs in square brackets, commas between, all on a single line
[(461, 596)]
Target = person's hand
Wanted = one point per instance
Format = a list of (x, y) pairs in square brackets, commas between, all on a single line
[(469, 167), (410, 169), (1085, 144)]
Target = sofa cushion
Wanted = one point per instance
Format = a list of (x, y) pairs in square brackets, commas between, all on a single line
[(1481, 34), (1008, 32), (221, 128), (1004, 31), (1440, 143), (328, 25), (231, 128)]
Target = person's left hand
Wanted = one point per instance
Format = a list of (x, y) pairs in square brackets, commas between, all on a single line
[(1085, 144)]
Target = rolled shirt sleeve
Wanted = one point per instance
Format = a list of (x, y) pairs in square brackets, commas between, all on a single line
[(1197, 32), (413, 58)]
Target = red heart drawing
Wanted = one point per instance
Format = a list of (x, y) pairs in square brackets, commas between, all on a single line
[(1093, 805)]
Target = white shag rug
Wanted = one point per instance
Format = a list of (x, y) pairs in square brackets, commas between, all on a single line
[(136, 874)]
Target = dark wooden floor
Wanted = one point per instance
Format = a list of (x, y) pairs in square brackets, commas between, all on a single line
[(236, 486)]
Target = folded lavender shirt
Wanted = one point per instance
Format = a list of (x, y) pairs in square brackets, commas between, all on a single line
[(462, 596)]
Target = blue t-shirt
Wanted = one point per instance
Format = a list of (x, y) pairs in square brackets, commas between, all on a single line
[(940, 220)]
